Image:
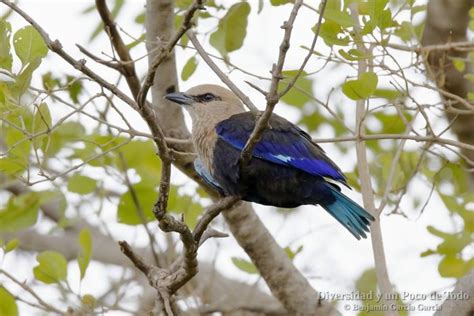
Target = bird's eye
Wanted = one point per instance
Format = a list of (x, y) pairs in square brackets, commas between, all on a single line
[(208, 97)]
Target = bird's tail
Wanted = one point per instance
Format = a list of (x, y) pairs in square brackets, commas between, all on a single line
[(353, 217)]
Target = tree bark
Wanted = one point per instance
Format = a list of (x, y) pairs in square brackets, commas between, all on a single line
[(447, 22), (461, 300)]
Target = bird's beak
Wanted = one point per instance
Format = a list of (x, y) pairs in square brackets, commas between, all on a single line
[(180, 98)]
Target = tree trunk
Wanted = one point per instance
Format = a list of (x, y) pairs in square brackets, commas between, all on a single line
[(447, 22)]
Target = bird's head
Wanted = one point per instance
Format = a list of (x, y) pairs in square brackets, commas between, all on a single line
[(207, 102)]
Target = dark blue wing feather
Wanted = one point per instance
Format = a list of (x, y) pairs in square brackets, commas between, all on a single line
[(282, 143)]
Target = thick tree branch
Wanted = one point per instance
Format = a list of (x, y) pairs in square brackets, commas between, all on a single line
[(461, 300), (446, 24)]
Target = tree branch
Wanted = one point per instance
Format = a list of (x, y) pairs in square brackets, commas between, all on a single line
[(272, 95), (56, 47), (383, 279), (232, 86), (461, 300)]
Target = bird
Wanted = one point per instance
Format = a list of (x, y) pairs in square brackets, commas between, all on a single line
[(287, 168)]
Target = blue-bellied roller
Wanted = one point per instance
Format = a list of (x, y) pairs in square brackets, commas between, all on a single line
[(287, 168)]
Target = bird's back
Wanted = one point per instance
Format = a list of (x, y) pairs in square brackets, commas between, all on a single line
[(265, 182)]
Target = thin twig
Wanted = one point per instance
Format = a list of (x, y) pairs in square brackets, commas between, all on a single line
[(56, 47), (23, 285), (166, 50), (205, 56), (310, 51), (272, 95), (127, 65), (108, 63), (136, 260)]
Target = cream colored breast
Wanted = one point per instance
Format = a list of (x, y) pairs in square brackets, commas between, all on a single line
[(204, 139)]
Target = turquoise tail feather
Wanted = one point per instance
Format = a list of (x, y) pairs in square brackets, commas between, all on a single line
[(353, 217)]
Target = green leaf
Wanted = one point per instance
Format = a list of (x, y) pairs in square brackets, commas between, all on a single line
[(279, 2), (454, 267), (136, 205), (8, 305), (147, 164), (389, 94), (20, 212), (391, 123), (183, 4), (12, 166), (50, 81), (469, 77), (81, 184), (23, 80), (41, 123), (6, 59), (66, 133), (361, 88), (74, 87), (378, 14), (85, 242), (52, 267), (140, 19), (12, 245), (459, 64), (89, 301), (232, 29), (292, 254), (300, 93), (352, 54), (405, 31), (189, 68), (366, 286), (136, 42), (245, 265), (184, 204), (427, 253), (342, 18), (437, 232), (330, 33), (418, 8), (29, 45)]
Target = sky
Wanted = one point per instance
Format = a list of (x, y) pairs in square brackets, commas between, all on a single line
[(331, 258)]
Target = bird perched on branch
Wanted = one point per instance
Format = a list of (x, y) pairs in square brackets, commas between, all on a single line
[(287, 168)]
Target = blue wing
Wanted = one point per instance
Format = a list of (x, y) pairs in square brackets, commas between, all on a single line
[(281, 143), (206, 176)]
